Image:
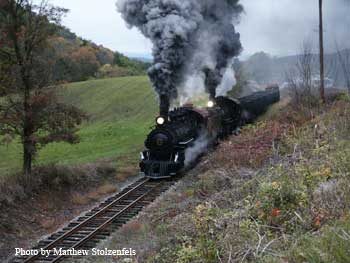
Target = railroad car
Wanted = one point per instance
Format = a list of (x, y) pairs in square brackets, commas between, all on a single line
[(186, 126)]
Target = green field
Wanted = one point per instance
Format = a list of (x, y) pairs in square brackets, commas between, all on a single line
[(121, 111)]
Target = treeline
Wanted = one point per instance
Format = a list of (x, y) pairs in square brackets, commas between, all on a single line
[(77, 59), (266, 69)]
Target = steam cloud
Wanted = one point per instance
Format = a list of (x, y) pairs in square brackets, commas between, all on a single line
[(192, 40), (199, 147)]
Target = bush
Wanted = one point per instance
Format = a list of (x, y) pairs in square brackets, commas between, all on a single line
[(52, 178), (251, 148), (277, 202), (109, 71), (203, 247)]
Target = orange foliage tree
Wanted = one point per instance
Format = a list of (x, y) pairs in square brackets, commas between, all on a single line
[(30, 108)]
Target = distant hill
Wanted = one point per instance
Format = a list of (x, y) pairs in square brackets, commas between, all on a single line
[(143, 59), (266, 69), (78, 59)]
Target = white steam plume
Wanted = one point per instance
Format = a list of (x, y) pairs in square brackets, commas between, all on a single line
[(227, 83), (199, 147)]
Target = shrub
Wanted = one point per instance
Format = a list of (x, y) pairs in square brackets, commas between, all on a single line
[(277, 203), (252, 148), (203, 247)]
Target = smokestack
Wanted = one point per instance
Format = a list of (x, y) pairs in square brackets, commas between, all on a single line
[(164, 106), (211, 82)]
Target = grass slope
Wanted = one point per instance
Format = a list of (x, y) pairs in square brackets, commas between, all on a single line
[(279, 192), (120, 110)]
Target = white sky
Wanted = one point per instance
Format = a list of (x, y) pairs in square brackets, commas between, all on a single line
[(275, 26)]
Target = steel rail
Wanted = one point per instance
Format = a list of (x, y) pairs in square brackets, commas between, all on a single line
[(109, 221)]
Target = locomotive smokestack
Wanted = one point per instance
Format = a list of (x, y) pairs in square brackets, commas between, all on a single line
[(211, 82), (164, 106)]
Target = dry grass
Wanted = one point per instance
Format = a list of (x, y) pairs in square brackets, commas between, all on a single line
[(80, 199), (133, 228), (257, 143), (251, 148), (37, 205), (93, 195), (124, 173), (107, 188), (55, 178), (48, 223)]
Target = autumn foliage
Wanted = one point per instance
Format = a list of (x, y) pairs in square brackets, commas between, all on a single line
[(30, 109), (76, 59)]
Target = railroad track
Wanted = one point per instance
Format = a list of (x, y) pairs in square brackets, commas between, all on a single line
[(86, 231)]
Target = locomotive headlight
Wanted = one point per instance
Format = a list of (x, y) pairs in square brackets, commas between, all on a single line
[(160, 120), (211, 104)]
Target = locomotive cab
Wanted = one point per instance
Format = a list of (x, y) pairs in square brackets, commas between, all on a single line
[(230, 115)]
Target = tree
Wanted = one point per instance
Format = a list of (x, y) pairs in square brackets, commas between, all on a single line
[(104, 56), (344, 60), (31, 108), (242, 78), (322, 92), (85, 61), (260, 66), (300, 80)]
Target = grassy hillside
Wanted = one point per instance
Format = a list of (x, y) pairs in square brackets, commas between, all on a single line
[(121, 110), (277, 192)]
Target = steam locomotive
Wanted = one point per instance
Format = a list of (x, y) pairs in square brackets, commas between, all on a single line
[(178, 131)]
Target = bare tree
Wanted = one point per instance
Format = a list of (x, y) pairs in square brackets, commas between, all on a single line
[(344, 61), (31, 109), (332, 70), (301, 86), (322, 92)]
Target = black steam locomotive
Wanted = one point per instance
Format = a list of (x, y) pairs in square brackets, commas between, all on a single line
[(179, 130)]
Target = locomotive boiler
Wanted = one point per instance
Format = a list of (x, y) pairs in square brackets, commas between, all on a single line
[(178, 130)]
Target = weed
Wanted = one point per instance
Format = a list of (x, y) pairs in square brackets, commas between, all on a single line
[(106, 188), (80, 199), (277, 203)]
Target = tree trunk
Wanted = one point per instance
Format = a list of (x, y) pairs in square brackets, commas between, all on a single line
[(321, 54), (27, 134), (27, 158), (28, 147)]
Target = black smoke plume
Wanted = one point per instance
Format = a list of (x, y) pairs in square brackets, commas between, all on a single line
[(189, 37)]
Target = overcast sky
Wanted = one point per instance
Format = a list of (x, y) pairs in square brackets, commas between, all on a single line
[(274, 26)]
